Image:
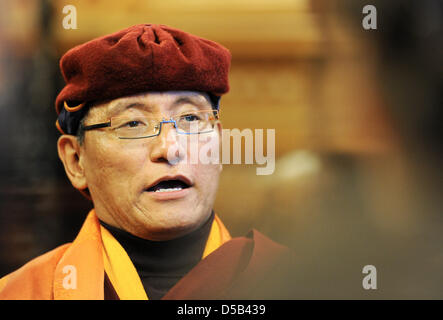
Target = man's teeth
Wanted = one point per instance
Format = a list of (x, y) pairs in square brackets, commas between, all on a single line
[(168, 190)]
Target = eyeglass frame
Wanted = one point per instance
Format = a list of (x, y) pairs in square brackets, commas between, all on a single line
[(160, 123)]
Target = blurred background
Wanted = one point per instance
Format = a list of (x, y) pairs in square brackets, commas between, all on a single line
[(357, 115)]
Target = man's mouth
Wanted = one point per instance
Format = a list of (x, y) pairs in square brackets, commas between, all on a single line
[(170, 184)]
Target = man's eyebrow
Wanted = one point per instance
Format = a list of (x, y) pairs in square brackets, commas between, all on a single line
[(124, 105), (191, 100)]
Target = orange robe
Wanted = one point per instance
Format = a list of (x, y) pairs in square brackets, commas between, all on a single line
[(238, 268)]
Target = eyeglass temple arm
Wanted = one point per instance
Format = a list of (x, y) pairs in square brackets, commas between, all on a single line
[(97, 126)]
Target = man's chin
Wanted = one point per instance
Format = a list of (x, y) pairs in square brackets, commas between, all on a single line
[(170, 232), (168, 220)]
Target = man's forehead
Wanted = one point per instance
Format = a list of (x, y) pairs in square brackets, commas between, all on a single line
[(171, 97), (156, 100)]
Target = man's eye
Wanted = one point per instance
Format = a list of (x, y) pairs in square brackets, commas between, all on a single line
[(190, 117), (133, 124)]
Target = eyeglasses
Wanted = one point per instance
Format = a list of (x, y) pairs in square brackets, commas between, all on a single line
[(138, 127)]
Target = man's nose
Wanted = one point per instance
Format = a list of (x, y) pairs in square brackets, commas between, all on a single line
[(166, 146)]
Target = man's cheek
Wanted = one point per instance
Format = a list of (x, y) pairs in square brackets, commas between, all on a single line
[(126, 162), (209, 149), (208, 175)]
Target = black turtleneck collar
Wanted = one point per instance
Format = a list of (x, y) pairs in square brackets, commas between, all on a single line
[(160, 264)]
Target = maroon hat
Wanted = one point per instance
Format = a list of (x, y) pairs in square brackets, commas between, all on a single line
[(145, 57)]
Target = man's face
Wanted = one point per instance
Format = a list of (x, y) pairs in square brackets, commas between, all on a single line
[(122, 174)]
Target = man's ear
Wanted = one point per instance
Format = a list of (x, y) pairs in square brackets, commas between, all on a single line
[(70, 153)]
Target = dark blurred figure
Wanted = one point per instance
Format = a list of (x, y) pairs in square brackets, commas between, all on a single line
[(410, 45), (356, 208), (385, 209), (39, 209)]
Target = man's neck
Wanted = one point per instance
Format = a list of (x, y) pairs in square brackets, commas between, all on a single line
[(160, 264)]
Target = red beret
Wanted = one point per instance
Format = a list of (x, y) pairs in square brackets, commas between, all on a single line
[(145, 57)]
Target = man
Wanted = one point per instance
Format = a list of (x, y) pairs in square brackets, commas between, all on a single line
[(131, 104)]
